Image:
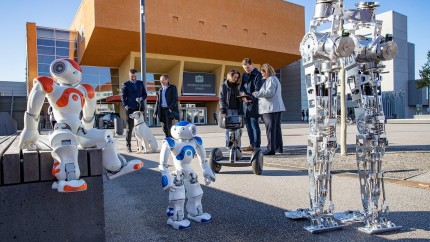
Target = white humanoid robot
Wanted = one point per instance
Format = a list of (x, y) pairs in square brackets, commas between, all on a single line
[(183, 181), (68, 98)]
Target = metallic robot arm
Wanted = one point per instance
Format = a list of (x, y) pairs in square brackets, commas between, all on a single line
[(30, 133)]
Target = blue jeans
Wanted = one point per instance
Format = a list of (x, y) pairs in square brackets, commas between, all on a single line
[(254, 132)]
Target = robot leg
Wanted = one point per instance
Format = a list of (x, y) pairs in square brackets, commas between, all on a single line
[(113, 162), (66, 168), (194, 194), (175, 210)]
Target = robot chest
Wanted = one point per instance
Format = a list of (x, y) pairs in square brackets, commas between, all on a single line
[(69, 97), (185, 153)]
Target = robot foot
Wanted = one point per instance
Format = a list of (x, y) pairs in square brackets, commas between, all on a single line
[(183, 224), (70, 186), (204, 218), (131, 166)]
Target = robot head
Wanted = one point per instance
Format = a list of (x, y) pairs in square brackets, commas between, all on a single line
[(183, 130), (66, 71)]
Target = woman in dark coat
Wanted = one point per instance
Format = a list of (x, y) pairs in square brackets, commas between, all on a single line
[(229, 102)]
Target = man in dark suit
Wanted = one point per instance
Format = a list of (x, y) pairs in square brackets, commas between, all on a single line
[(251, 82), (133, 97), (166, 107)]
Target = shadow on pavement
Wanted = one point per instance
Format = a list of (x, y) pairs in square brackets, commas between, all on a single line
[(135, 211), (267, 172)]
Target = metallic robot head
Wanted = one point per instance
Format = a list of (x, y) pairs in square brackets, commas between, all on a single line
[(183, 130), (66, 71)]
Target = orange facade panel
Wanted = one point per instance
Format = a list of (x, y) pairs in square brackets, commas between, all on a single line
[(213, 29), (31, 54)]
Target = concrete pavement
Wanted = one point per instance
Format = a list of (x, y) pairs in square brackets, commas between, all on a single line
[(246, 207)]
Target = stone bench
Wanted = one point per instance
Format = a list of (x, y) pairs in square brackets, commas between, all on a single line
[(31, 211)]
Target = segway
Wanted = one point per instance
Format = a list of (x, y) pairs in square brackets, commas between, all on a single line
[(235, 157)]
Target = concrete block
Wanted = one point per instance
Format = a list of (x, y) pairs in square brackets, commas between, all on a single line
[(83, 162), (95, 161), (11, 163), (45, 163), (35, 212), (30, 166)]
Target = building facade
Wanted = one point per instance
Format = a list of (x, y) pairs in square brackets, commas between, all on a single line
[(195, 42)]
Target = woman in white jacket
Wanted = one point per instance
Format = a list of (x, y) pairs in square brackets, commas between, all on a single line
[(270, 105)]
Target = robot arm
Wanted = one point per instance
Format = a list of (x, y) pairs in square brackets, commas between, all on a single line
[(30, 134), (89, 106), (166, 177), (269, 90), (201, 155)]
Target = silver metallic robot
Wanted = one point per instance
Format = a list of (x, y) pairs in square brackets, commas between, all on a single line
[(364, 78), (321, 53), (364, 75), (183, 183)]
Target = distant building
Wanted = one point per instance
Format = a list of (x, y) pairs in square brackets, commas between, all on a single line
[(13, 100)]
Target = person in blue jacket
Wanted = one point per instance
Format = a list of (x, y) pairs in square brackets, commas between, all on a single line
[(133, 97)]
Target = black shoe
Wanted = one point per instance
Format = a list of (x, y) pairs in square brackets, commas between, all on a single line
[(129, 149), (279, 151), (268, 153)]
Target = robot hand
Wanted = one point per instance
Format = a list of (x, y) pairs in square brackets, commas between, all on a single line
[(208, 174), (167, 180), (28, 138)]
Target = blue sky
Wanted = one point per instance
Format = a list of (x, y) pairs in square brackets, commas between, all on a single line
[(60, 13)]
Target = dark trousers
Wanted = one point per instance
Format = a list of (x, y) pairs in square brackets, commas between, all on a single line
[(130, 126), (254, 132), (166, 121), (273, 132)]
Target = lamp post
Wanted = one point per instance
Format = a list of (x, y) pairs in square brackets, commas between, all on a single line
[(143, 46)]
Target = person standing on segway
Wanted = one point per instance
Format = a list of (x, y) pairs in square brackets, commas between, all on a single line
[(229, 102)]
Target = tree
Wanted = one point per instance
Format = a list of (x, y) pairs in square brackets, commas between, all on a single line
[(425, 74)]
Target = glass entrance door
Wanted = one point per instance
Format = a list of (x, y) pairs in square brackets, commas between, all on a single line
[(194, 115)]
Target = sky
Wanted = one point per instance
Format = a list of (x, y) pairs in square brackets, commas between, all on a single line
[(60, 13)]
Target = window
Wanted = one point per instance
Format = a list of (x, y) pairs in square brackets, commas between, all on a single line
[(42, 50), (62, 52), (43, 68), (45, 33), (64, 44), (45, 59), (45, 42)]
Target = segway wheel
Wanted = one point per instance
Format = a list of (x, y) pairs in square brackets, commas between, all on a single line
[(257, 162), (216, 154)]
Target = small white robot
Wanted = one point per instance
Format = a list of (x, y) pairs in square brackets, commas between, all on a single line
[(68, 98), (183, 181)]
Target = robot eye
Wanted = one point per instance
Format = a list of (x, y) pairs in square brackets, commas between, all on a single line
[(58, 68)]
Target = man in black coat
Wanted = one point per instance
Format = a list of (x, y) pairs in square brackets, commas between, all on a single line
[(133, 97), (251, 81), (166, 107)]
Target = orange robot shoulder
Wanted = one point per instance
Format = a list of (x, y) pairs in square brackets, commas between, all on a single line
[(90, 90), (46, 82)]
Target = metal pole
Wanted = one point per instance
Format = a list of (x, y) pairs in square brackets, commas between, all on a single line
[(143, 47), (343, 148)]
